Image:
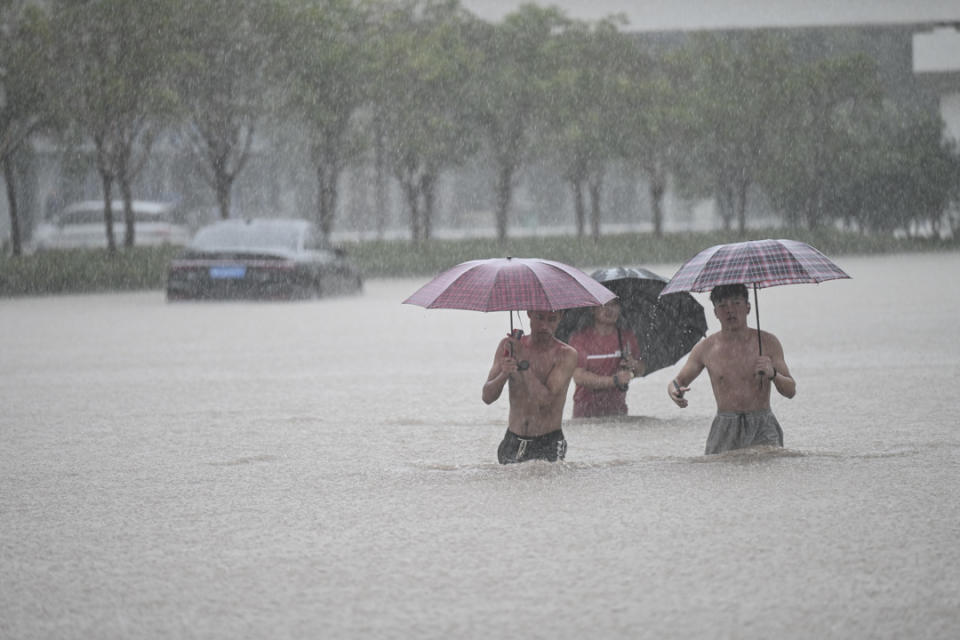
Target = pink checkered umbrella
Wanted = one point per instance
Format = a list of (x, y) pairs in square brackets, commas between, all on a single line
[(760, 263), (511, 284)]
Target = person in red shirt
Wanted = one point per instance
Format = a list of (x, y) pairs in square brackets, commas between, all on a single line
[(608, 358)]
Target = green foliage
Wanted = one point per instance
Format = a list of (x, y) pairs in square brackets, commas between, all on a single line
[(116, 89), (507, 94), (85, 271), (828, 133), (220, 75), (739, 97), (424, 58), (319, 60), (26, 74)]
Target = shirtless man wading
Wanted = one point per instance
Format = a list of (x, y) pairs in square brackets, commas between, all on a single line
[(741, 377), (539, 369)]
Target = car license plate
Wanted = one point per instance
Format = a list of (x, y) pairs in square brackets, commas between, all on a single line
[(231, 272)]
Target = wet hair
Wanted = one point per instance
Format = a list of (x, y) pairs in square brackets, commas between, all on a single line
[(724, 291)]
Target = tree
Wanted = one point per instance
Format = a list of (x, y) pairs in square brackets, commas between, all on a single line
[(739, 94), (25, 90), (118, 89), (907, 175), (657, 123), (222, 87), (320, 61), (585, 111), (424, 59), (833, 108), (508, 94)]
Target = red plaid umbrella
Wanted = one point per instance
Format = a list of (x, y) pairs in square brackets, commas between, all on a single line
[(511, 284), (761, 263)]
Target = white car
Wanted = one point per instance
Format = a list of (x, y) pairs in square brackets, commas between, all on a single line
[(81, 225)]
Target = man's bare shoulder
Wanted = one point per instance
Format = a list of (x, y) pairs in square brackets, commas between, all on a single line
[(705, 345), (767, 336), (563, 352)]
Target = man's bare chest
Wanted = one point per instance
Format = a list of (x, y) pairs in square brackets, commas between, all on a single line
[(539, 363), (731, 361)]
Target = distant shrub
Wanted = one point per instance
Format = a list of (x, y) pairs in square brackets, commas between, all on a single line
[(85, 271), (88, 271)]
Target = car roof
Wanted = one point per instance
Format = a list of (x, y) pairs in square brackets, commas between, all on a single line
[(263, 222), (143, 206), (253, 232)]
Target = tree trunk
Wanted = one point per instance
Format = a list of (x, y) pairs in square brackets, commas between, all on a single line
[(813, 210), (8, 178), (222, 187), (412, 195), (428, 183), (578, 206), (380, 183), (127, 194), (326, 197), (108, 212), (725, 205), (741, 205), (596, 189), (657, 189), (504, 196)]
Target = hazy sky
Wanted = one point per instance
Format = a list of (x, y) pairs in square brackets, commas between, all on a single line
[(667, 15)]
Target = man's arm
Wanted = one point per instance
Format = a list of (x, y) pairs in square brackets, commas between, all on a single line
[(558, 381), (592, 380), (635, 362), (691, 369), (503, 365), (775, 368)]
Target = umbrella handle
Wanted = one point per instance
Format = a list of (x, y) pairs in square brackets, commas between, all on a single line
[(756, 309), (516, 334)]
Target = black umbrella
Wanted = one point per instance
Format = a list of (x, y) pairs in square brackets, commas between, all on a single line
[(666, 328)]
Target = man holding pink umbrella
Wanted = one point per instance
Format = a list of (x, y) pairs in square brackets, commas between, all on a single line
[(538, 369)]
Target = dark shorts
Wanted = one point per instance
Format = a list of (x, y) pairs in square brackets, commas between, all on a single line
[(738, 430), (550, 446)]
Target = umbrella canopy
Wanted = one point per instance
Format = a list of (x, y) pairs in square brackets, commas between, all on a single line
[(760, 263), (511, 284), (666, 328)]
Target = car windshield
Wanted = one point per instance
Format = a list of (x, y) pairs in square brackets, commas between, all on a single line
[(247, 236)]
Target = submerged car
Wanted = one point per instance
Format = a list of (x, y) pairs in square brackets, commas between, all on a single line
[(260, 258), (81, 225)]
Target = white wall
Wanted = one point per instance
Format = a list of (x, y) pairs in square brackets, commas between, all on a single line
[(937, 51), (950, 110), (681, 15)]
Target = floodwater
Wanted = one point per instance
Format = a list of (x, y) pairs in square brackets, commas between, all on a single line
[(327, 469)]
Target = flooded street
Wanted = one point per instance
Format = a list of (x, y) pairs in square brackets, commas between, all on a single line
[(327, 469)]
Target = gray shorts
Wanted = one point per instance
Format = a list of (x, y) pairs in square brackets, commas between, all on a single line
[(739, 430)]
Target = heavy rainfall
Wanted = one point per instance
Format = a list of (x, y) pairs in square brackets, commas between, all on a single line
[(325, 467)]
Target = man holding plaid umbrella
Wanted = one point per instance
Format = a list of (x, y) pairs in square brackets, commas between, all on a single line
[(736, 357)]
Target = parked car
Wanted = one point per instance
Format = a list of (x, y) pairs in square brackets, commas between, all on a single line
[(260, 258), (81, 225)]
